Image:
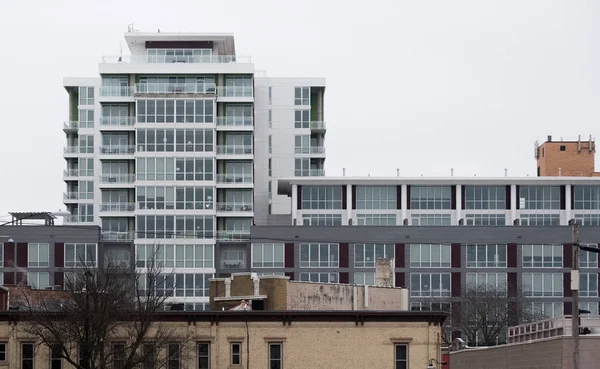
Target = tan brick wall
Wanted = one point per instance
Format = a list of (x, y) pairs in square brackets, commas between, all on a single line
[(571, 161), (554, 353), (305, 345)]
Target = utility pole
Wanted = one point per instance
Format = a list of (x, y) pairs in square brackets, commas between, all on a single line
[(575, 292)]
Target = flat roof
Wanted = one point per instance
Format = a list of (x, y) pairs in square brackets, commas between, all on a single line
[(284, 185), (134, 38)]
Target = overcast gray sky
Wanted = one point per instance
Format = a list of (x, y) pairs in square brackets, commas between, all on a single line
[(423, 86)]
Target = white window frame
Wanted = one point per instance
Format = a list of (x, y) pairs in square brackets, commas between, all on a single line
[(41, 251), (366, 254), (427, 251), (301, 96), (550, 285), (588, 284), (542, 252), (88, 260), (319, 277), (499, 251), (38, 280), (259, 250), (364, 278), (439, 291), (333, 255)]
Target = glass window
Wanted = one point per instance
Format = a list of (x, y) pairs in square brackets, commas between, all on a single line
[(548, 309), (302, 144), (376, 219), (86, 118), (56, 356), (1, 254), (27, 355), (430, 284), (430, 306), (175, 256), (236, 353), (485, 219), (38, 255), (182, 56), (238, 86), (430, 197), (86, 96), (118, 355), (321, 197), (179, 285), (365, 255), (364, 278), (322, 220), (401, 356), (539, 219), (86, 190), (586, 197), (38, 280), (174, 356), (429, 256), (149, 360), (543, 284), (80, 254), (302, 118), (485, 197), (539, 197), (431, 219), (542, 256), (86, 144), (492, 281), (592, 307), (320, 277), (275, 355), (268, 255), (486, 256), (588, 259), (376, 197), (588, 284), (589, 220), (180, 226), (302, 96), (319, 255), (170, 140), (204, 355), (175, 111)]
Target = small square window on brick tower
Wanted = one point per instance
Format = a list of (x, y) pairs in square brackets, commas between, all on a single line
[(566, 158)]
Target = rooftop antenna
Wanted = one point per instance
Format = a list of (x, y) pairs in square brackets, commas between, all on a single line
[(120, 51), (343, 172), (130, 27), (397, 172), (451, 172), (505, 172)]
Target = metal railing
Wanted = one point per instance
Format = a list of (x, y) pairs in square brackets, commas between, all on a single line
[(234, 91), (70, 195), (234, 149), (233, 236), (167, 59), (234, 206), (78, 219), (175, 88), (71, 125), (117, 149), (116, 91), (117, 121), (117, 178), (234, 178), (315, 124), (117, 236), (233, 264), (234, 121), (117, 206)]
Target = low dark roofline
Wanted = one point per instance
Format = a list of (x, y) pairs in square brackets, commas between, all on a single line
[(431, 317)]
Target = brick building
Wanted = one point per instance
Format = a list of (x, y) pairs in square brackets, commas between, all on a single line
[(566, 158)]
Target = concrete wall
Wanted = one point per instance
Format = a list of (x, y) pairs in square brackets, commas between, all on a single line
[(553, 353)]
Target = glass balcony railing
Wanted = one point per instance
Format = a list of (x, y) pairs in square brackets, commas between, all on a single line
[(234, 178), (234, 149), (117, 206), (234, 91), (116, 91), (70, 195), (234, 121), (233, 236), (117, 236), (318, 125), (117, 149), (175, 88), (167, 59), (71, 173), (117, 121), (234, 206), (71, 149), (233, 264), (317, 172), (117, 178), (70, 126), (317, 149), (78, 219)]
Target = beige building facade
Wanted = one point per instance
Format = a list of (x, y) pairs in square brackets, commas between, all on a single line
[(274, 340)]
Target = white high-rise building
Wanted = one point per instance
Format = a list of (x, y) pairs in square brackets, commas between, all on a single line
[(178, 147)]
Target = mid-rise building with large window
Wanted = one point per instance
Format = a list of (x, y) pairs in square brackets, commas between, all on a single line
[(443, 234), (176, 147)]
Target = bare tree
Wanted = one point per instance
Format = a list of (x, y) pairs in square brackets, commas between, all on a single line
[(105, 317), (484, 312)]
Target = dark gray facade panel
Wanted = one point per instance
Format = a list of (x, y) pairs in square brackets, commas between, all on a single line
[(50, 234)]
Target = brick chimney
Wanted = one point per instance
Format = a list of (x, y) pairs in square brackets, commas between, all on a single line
[(384, 276)]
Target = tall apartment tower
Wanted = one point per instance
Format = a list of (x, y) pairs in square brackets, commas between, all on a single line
[(565, 158), (178, 147)]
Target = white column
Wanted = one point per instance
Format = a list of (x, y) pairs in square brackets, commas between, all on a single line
[(513, 203), (256, 286), (228, 287), (404, 203), (295, 204), (568, 213), (458, 203), (349, 205)]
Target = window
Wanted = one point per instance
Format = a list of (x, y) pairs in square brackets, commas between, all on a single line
[(204, 355), (588, 259), (321, 197), (85, 167), (588, 284), (80, 254), (302, 167), (302, 96), (38, 280), (320, 277), (542, 256), (376, 219), (401, 356), (171, 140), (175, 111), (270, 118), (270, 144), (302, 144), (431, 219), (236, 353), (176, 85), (430, 284), (592, 307), (180, 285), (586, 197), (115, 86), (365, 255), (485, 219), (270, 95), (118, 356), (430, 306), (319, 255), (175, 256), (563, 148), (539, 197), (27, 355), (118, 258), (485, 197), (548, 309), (181, 169), (486, 256), (429, 256), (85, 213), (322, 220), (86, 144), (38, 255), (539, 219), (275, 355), (238, 86), (364, 278), (180, 226), (86, 190), (149, 361), (86, 118), (268, 255), (430, 197), (270, 189), (86, 96), (495, 281), (179, 55), (237, 115), (543, 284), (376, 197), (302, 118), (174, 356), (2, 351), (589, 220)]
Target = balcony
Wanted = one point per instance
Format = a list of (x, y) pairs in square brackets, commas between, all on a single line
[(316, 125), (234, 178), (235, 93), (70, 151), (76, 219), (175, 88), (168, 59), (235, 123), (234, 207), (317, 173), (233, 236), (117, 236), (117, 122), (70, 173), (117, 207), (234, 150), (117, 178), (70, 127), (70, 196), (117, 150), (116, 91)]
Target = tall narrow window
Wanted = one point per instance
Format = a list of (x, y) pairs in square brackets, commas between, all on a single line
[(118, 356), (174, 356), (55, 356), (401, 356), (204, 355), (149, 356), (2, 352), (27, 355), (275, 356), (236, 353)]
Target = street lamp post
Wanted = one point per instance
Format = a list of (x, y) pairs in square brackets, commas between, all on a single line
[(575, 292)]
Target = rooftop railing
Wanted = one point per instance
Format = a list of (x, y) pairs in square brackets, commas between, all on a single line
[(175, 88), (168, 59)]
